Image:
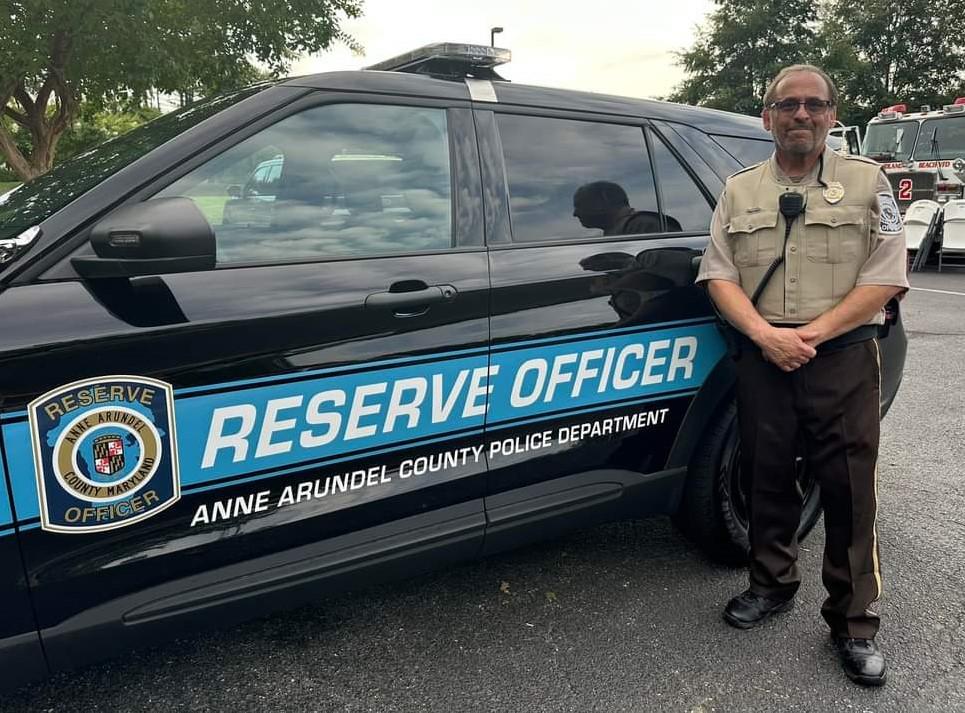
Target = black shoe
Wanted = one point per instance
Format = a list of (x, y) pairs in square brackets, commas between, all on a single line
[(861, 659), (748, 609)]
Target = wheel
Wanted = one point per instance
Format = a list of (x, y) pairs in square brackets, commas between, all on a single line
[(714, 509)]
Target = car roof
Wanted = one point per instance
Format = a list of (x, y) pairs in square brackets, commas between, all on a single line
[(510, 93)]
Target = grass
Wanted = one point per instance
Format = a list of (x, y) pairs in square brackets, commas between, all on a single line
[(4, 187), (212, 207)]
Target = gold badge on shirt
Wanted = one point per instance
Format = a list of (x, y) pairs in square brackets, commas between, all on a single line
[(833, 192)]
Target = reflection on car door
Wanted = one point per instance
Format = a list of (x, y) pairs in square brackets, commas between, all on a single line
[(593, 299), (311, 382)]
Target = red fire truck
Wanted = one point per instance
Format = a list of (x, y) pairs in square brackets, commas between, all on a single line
[(923, 152)]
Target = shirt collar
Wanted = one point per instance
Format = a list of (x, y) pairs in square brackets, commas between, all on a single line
[(811, 179)]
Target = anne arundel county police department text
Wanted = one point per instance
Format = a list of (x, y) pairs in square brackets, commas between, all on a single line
[(424, 465)]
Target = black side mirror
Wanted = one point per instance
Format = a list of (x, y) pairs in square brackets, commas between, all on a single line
[(158, 236), (234, 191)]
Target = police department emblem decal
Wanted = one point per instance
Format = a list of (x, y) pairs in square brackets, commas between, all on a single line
[(105, 453)]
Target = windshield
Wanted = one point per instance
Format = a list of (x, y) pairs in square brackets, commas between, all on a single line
[(34, 201), (941, 139), (892, 141)]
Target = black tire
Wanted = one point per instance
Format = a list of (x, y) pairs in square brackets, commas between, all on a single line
[(713, 511)]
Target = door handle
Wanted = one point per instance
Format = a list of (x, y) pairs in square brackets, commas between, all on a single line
[(410, 302)]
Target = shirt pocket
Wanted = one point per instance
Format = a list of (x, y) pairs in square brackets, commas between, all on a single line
[(752, 237), (835, 234)]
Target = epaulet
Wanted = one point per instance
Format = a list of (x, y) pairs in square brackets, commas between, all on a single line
[(748, 168), (857, 157)]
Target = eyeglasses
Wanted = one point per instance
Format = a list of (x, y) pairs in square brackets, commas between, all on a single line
[(815, 107)]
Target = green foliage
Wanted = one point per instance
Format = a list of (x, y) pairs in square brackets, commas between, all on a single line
[(95, 127), (883, 53), (90, 128), (879, 52), (55, 53), (743, 45), (115, 48)]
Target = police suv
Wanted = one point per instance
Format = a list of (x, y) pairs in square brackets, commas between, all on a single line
[(349, 327)]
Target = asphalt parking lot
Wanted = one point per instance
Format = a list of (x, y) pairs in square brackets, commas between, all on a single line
[(623, 617)]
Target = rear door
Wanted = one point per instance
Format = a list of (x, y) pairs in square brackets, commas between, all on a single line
[(599, 336), (213, 444)]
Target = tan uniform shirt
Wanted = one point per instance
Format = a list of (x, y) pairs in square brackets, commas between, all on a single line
[(835, 246)]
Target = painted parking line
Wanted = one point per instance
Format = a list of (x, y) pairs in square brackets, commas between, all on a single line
[(941, 292)]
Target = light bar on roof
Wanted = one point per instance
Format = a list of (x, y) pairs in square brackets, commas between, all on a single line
[(470, 57)]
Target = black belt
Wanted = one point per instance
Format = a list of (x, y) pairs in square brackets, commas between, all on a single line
[(856, 335)]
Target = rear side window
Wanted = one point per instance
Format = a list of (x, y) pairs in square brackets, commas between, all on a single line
[(722, 163), (336, 180), (747, 151), (685, 207), (577, 179)]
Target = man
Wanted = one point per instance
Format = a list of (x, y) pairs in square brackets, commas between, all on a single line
[(809, 361), (605, 205)]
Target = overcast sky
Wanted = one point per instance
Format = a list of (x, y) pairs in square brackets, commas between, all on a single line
[(611, 46)]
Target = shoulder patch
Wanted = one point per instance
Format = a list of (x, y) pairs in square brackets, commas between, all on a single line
[(889, 222), (748, 168)]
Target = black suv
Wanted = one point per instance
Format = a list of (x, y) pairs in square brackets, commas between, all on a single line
[(349, 327)]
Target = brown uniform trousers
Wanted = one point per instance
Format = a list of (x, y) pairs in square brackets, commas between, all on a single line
[(833, 401)]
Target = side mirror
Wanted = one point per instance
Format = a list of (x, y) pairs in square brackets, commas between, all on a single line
[(852, 139), (158, 236), (234, 191)]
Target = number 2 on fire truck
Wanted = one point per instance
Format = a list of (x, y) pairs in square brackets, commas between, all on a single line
[(904, 189)]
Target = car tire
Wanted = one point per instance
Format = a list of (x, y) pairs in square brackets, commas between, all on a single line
[(713, 511)]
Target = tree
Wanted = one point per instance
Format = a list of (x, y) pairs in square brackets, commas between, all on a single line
[(92, 126), (54, 54), (742, 45), (882, 52)]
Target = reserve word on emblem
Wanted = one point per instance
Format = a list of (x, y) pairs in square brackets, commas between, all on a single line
[(105, 453)]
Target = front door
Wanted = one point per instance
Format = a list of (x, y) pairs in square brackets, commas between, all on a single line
[(214, 444), (19, 643)]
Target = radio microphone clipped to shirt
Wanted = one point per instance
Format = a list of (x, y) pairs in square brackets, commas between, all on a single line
[(791, 205)]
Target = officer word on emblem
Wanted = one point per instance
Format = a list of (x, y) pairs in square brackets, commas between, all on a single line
[(833, 192), (105, 453), (890, 222)]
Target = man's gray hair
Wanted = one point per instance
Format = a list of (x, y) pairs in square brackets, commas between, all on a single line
[(769, 95)]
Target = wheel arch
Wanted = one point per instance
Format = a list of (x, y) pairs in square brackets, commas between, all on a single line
[(718, 388)]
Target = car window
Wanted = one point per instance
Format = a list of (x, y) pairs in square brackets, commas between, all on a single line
[(891, 141), (576, 179), (263, 181), (722, 163), (685, 207), (941, 138), (332, 181), (38, 199), (747, 151), (707, 176)]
